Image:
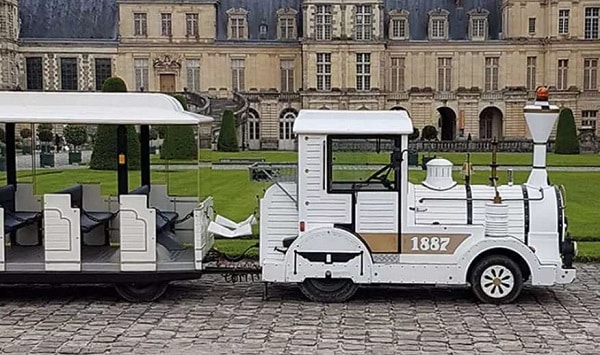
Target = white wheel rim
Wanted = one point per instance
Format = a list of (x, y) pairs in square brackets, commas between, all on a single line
[(497, 281)]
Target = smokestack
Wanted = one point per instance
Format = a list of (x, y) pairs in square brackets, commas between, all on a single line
[(540, 117)]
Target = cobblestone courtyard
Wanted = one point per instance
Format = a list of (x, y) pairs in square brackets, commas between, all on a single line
[(209, 316)]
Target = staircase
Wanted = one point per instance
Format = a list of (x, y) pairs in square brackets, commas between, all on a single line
[(214, 105), (196, 102), (218, 105)]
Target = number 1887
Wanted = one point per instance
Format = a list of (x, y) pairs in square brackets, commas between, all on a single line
[(433, 243)]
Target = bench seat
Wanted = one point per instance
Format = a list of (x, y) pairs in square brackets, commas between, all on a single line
[(88, 220), (164, 219), (15, 220), (91, 220)]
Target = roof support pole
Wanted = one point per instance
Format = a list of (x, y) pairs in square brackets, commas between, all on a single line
[(122, 171), (11, 156), (145, 154)]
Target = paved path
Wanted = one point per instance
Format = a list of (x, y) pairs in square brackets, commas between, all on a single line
[(208, 316), (62, 162)]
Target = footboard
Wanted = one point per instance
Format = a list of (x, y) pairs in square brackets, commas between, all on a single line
[(203, 238)]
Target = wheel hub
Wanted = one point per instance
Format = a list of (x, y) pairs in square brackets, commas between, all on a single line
[(497, 281)]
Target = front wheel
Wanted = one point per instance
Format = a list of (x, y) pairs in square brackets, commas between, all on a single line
[(497, 279), (328, 290), (141, 292)]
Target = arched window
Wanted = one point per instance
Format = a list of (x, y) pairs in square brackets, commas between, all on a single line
[(286, 123), (253, 122)]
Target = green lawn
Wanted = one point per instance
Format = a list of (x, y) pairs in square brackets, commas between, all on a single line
[(236, 196), (515, 159)]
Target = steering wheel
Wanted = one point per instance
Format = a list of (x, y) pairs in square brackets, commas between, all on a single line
[(382, 178)]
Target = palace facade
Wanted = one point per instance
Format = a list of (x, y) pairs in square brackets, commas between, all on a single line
[(467, 67)]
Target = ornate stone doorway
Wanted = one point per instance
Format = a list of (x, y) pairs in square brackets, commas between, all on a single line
[(167, 82)]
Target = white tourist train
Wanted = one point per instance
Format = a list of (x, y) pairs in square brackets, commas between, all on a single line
[(329, 232)]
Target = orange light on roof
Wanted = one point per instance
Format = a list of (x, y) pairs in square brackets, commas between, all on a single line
[(541, 94)]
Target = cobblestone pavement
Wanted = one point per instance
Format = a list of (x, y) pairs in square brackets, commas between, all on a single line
[(209, 316)]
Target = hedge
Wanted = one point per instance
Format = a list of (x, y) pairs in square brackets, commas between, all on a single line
[(227, 141), (179, 142), (566, 134), (104, 154)]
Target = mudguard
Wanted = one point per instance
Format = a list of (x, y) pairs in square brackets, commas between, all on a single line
[(328, 252)]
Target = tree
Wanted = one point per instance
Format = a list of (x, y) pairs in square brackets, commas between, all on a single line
[(45, 135), (153, 134), (179, 142), (415, 135), (2, 135), (76, 135), (104, 154), (227, 141), (25, 133), (566, 134), (429, 133)]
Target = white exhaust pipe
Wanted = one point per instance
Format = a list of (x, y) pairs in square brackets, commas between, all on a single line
[(540, 117)]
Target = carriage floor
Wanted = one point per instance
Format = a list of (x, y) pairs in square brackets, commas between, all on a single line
[(93, 259)]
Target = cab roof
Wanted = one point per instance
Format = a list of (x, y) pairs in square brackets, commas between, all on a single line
[(95, 108), (353, 122)]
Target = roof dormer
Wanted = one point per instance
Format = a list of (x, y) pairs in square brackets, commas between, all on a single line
[(478, 24), (438, 24), (399, 25), (237, 23)]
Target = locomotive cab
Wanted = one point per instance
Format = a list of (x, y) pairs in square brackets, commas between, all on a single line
[(347, 222)]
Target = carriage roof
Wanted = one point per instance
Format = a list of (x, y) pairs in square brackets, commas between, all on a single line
[(95, 108), (353, 122)]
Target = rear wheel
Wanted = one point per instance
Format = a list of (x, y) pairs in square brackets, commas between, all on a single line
[(141, 292), (497, 279), (328, 290)]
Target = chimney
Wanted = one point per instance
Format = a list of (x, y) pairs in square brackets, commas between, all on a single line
[(540, 117)]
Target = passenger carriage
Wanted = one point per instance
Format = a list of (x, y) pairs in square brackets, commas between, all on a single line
[(139, 240)]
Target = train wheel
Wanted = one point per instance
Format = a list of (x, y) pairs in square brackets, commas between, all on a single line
[(328, 290), (141, 292), (497, 279)]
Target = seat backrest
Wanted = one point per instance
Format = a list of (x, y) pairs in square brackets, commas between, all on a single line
[(142, 190), (7, 197), (76, 193)]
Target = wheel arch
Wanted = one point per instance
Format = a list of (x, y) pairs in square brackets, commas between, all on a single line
[(512, 254), (306, 257)]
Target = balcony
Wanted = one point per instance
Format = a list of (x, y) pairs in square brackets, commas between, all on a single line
[(590, 94), (444, 96), (492, 96), (399, 96)]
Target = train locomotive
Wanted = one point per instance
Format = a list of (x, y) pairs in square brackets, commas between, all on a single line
[(331, 234)]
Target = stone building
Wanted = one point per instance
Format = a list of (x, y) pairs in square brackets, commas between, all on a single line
[(465, 66)]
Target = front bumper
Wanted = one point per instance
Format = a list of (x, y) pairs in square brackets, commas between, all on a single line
[(565, 276), (568, 252)]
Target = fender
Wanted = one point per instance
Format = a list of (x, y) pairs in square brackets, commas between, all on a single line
[(328, 252), (540, 274)]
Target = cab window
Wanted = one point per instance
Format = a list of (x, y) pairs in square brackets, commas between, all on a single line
[(361, 163)]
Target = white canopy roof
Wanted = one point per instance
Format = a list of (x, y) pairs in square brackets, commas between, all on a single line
[(95, 108), (353, 122)]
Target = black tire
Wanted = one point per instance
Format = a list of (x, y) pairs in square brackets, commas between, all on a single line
[(141, 292), (328, 290), (497, 279)]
